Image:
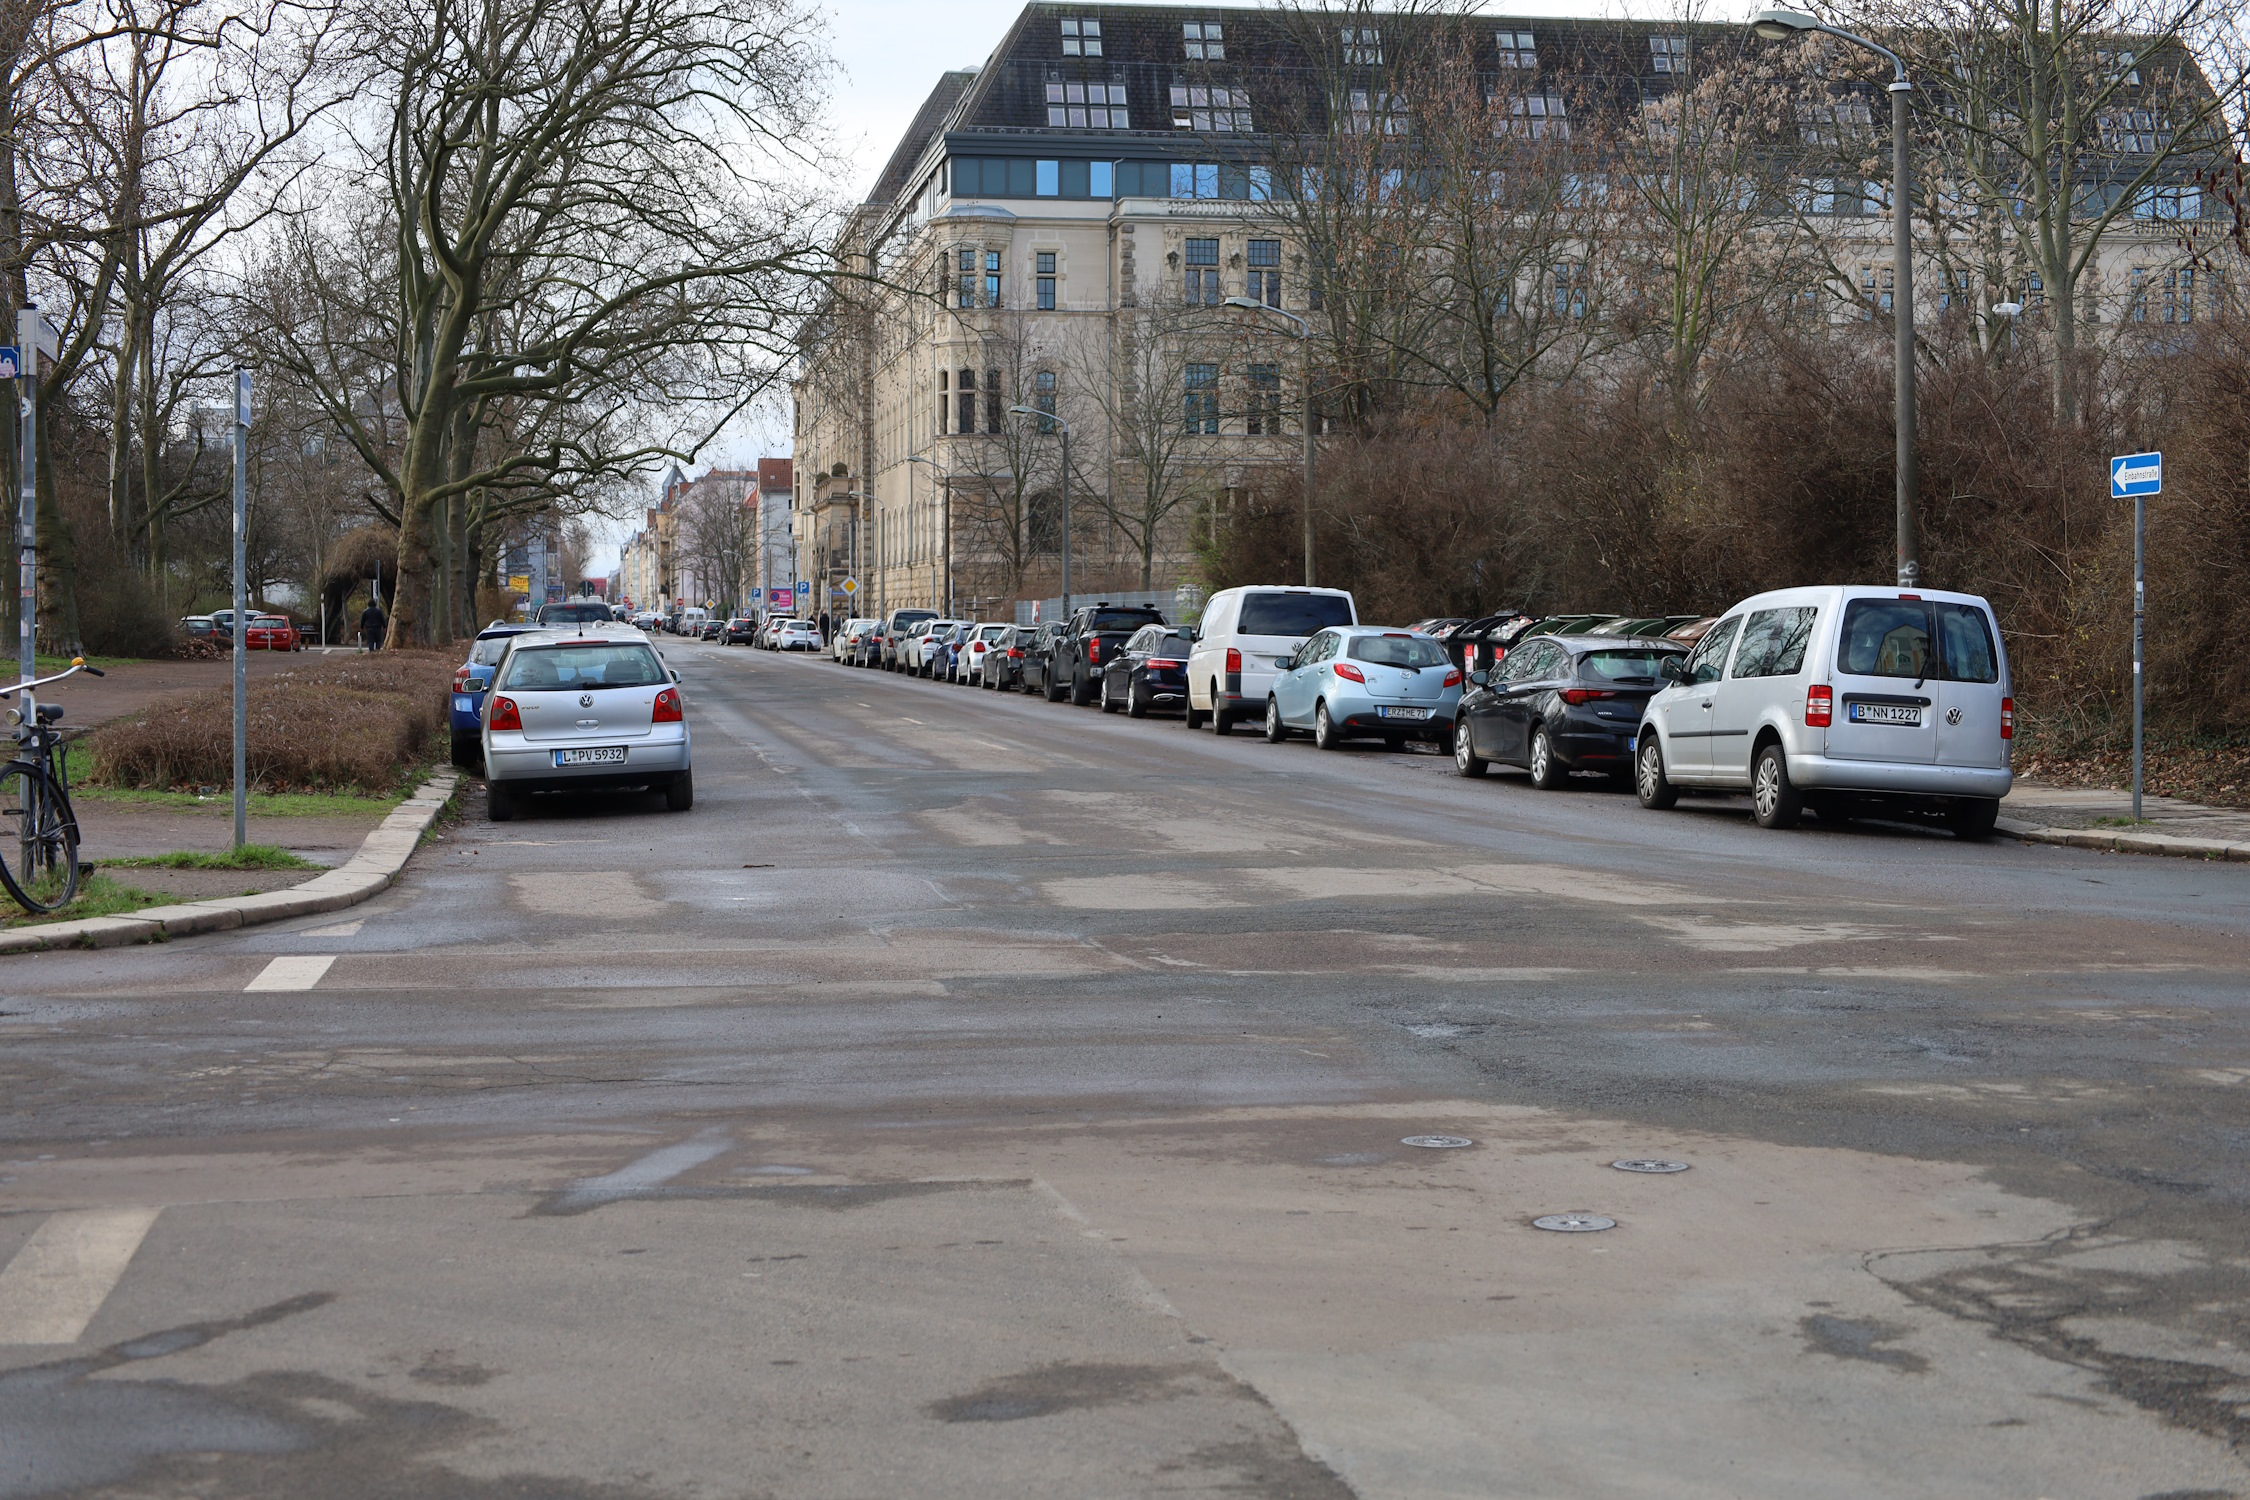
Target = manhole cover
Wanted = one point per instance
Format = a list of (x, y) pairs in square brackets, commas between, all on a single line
[(1437, 1142), (1657, 1167), (1573, 1223)]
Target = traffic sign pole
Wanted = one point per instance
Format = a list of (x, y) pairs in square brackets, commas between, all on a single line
[(2138, 476), (27, 499)]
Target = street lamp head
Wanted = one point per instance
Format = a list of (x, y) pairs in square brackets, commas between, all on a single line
[(2007, 309), (1781, 25), (1046, 417)]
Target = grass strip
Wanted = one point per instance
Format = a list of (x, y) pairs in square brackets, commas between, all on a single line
[(98, 896), (248, 857)]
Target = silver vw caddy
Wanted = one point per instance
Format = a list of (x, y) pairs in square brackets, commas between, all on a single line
[(1843, 700), (584, 709)]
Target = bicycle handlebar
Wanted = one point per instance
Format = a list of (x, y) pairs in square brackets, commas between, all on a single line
[(77, 665)]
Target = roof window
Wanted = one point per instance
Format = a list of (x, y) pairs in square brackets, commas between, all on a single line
[(1203, 41), (1081, 36)]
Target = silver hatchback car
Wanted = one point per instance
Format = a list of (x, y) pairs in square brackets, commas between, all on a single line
[(1354, 680), (591, 709)]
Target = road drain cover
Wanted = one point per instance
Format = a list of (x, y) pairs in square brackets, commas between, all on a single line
[(1657, 1167), (1573, 1223), (1437, 1142)]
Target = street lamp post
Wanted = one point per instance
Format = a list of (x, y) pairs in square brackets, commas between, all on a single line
[(1304, 336), (944, 477), (1050, 417), (1780, 25)]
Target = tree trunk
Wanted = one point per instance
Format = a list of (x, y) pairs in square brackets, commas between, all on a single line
[(58, 550)]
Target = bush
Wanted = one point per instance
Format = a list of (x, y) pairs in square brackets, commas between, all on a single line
[(347, 723)]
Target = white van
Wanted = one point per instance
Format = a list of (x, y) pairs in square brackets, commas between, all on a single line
[(1245, 635), (1841, 700)]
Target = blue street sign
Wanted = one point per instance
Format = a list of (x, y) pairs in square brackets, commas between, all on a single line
[(11, 363), (803, 587), (2136, 474)]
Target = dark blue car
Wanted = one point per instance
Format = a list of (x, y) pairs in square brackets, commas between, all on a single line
[(470, 682)]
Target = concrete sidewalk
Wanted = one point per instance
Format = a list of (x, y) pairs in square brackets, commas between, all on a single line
[(2101, 818)]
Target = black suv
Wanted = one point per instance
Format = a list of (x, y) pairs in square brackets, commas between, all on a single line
[(1094, 635)]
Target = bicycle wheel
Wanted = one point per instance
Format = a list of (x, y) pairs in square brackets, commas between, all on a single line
[(38, 840)]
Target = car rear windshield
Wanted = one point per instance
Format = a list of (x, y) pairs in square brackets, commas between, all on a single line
[(1125, 619), (573, 614), (1174, 642), (1624, 666), (603, 664), (1398, 651), (1293, 614), (485, 653), (1894, 638)]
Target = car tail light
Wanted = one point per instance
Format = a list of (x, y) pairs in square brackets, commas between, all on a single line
[(1015, 653), (1093, 650), (667, 708), (1576, 696), (1234, 662), (462, 679), (1165, 661), (1347, 670), (1917, 598), (1469, 657), (1453, 679), (1820, 706), (2007, 718), (504, 715)]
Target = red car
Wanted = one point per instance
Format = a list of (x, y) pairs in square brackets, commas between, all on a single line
[(271, 633)]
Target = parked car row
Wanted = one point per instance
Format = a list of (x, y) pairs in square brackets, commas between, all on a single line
[(261, 632), (1840, 701)]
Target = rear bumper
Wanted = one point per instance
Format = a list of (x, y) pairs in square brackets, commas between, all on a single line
[(533, 768), (1907, 777)]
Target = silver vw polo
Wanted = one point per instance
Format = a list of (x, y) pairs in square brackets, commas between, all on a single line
[(590, 708)]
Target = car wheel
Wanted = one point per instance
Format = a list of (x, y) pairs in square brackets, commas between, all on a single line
[(1653, 787), (465, 751), (1222, 720), (499, 802), (1081, 693), (1276, 731), (1136, 702), (1054, 689), (1774, 802), (1193, 718), (1972, 819), (1109, 701), (1546, 771), (1466, 761), (679, 793), (1324, 729)]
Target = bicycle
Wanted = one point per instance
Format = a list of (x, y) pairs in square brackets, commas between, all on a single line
[(36, 818)]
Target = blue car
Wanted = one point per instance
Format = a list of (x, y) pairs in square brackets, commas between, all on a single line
[(470, 683), (1362, 681)]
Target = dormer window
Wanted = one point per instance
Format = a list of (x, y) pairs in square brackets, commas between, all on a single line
[(1541, 116), (1081, 36), (1203, 41), (1086, 106), (1668, 53), (1517, 49), (1363, 45), (1195, 107)]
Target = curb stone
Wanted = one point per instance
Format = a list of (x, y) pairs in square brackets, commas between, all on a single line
[(2124, 843), (380, 858)]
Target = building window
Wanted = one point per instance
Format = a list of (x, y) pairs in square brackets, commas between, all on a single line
[(1101, 179), (1195, 107), (992, 412), (968, 282), (1846, 123), (1203, 41), (2118, 67), (2034, 292), (1202, 257), (991, 278), (1814, 195), (2179, 295), (1049, 182), (1875, 284), (1363, 45), (1384, 112), (2136, 304), (1570, 291), (2173, 201), (967, 400), (2134, 130), (1668, 53), (1046, 264), (1087, 106), (1265, 272), (1203, 398), (1517, 49), (1190, 180), (1265, 400), (1081, 36), (944, 400), (1540, 116), (1043, 397)]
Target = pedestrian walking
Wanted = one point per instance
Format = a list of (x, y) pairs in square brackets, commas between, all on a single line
[(373, 625), (827, 627)]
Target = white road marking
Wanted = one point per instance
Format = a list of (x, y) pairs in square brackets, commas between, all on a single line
[(653, 1170), (66, 1270), (340, 930), (294, 972)]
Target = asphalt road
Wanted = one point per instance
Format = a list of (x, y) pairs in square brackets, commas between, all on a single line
[(978, 1097)]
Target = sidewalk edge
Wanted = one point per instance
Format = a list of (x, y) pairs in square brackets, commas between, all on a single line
[(2112, 842), (377, 864)]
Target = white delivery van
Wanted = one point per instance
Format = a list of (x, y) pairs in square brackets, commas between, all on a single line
[(1245, 636)]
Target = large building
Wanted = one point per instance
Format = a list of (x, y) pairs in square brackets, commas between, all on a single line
[(1108, 222)]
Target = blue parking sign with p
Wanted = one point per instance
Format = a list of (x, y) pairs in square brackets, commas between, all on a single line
[(11, 363), (2136, 474)]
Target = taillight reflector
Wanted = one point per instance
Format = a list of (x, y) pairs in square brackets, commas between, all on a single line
[(1453, 679), (504, 715), (1347, 670), (1234, 660), (1093, 649), (461, 680), (1576, 696), (667, 709), (2007, 718), (1016, 652), (1165, 661), (1820, 706)]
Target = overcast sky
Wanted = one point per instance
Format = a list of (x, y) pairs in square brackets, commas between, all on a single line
[(891, 52)]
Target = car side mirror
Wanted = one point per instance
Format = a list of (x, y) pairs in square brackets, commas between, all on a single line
[(1671, 669), (1481, 678), (675, 674)]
